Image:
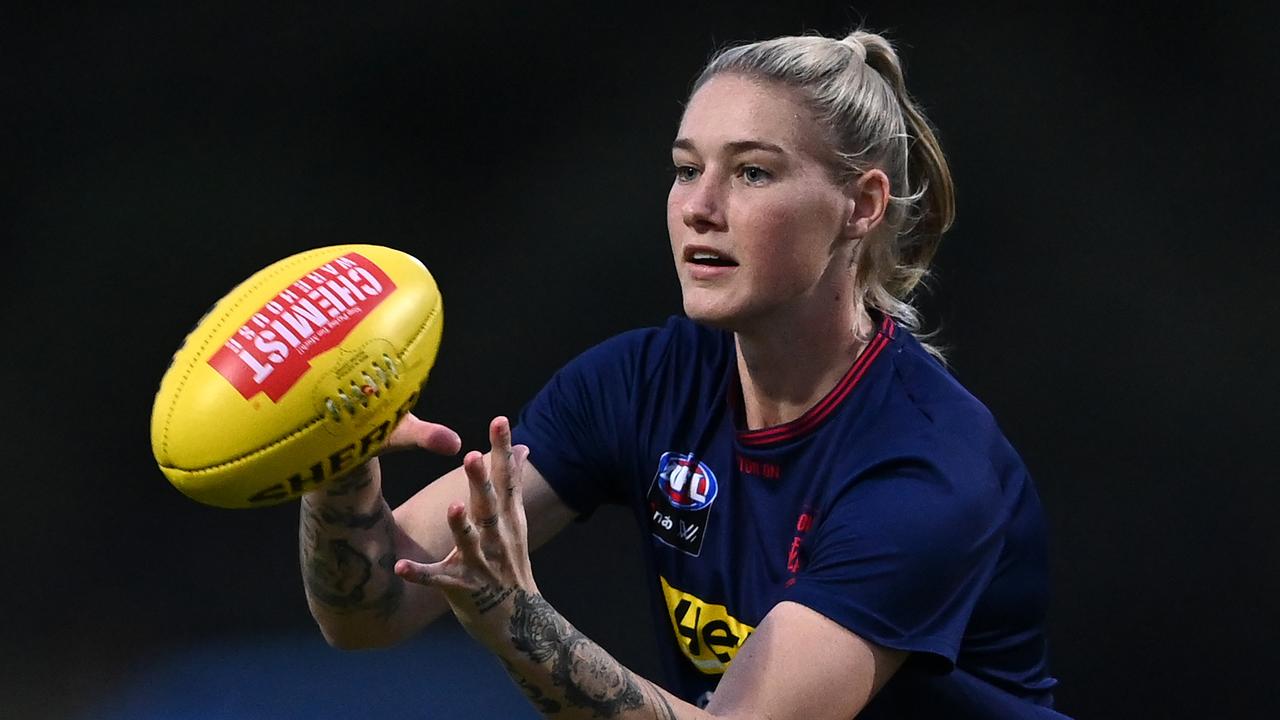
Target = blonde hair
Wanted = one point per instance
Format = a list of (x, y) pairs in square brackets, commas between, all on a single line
[(856, 90)]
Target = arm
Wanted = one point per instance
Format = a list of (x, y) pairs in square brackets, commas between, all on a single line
[(349, 539), (775, 676), (489, 585)]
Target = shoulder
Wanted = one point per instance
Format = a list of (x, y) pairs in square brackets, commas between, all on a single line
[(679, 345), (926, 452), (925, 415), (929, 387)]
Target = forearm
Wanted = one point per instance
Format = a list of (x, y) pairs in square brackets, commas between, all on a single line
[(347, 543), (566, 675)]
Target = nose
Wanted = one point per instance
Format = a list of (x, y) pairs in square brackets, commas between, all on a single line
[(703, 208)]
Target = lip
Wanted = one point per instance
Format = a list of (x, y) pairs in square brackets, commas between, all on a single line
[(691, 250), (709, 272), (698, 271)]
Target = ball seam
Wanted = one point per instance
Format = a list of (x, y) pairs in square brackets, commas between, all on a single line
[(249, 455)]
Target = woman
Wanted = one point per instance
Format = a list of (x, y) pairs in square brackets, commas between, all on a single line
[(836, 527)]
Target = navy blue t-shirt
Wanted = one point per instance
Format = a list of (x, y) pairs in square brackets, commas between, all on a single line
[(894, 507)]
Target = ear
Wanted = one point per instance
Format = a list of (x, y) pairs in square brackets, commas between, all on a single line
[(868, 196)]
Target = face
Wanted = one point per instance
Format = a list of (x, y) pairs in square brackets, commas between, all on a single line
[(758, 227)]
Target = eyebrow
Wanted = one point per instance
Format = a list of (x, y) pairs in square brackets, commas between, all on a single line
[(737, 146)]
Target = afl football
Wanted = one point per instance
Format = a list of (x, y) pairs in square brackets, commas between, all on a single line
[(297, 375)]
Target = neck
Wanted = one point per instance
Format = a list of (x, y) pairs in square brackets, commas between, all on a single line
[(789, 364)]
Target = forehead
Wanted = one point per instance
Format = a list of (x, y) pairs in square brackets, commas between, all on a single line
[(730, 108)]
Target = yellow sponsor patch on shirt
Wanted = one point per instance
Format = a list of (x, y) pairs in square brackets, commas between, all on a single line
[(706, 633)]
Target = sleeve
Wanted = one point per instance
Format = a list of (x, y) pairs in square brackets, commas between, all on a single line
[(904, 554), (580, 426)]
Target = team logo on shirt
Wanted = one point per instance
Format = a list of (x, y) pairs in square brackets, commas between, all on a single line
[(680, 498)]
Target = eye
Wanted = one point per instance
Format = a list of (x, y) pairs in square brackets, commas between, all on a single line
[(686, 173), (755, 175)]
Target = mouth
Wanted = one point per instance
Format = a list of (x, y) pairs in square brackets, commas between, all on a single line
[(708, 257)]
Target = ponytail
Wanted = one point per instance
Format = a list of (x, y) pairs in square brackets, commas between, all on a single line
[(928, 175)]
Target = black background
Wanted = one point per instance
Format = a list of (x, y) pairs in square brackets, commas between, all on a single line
[(1106, 291)]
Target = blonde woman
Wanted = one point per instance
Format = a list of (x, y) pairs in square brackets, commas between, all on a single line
[(834, 526)]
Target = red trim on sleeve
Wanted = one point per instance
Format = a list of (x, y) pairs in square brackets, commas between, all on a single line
[(820, 412)]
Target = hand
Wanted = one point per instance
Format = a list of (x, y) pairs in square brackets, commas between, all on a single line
[(490, 558), (412, 433)]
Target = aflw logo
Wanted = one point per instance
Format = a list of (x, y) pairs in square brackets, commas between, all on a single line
[(680, 498), (706, 633), (688, 484)]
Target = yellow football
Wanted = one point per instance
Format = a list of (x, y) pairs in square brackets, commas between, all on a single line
[(297, 375)]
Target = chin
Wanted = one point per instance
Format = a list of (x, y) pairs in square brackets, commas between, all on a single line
[(710, 314)]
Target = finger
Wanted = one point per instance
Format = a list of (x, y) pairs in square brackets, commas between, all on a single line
[(484, 501), (509, 490), (514, 498), (465, 536), (431, 574), (500, 458), (414, 433), (519, 459)]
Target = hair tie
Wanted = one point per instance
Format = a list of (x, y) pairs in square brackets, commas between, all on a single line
[(856, 46)]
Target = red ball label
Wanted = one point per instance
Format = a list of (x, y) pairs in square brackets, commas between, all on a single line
[(273, 347)]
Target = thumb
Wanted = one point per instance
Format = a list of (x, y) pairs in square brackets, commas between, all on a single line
[(413, 432)]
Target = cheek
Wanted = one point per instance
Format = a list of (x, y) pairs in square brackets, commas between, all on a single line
[(792, 242), (675, 216), (793, 239)]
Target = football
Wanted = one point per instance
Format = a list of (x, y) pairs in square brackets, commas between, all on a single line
[(297, 375)]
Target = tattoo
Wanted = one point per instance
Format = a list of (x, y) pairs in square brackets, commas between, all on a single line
[(386, 606), (340, 574), (662, 709), (545, 705), (588, 676), (336, 573), (535, 627), (488, 598), (354, 482), (350, 518), (488, 522)]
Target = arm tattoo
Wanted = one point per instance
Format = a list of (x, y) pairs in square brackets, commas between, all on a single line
[(587, 675), (354, 482), (488, 597), (545, 705), (350, 518), (336, 572)]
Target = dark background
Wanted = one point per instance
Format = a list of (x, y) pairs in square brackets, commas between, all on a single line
[(1105, 291)]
